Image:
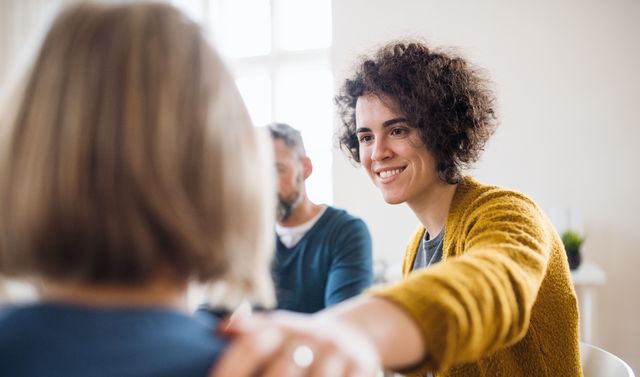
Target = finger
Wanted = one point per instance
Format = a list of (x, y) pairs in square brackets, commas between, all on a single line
[(237, 325), (327, 365), (283, 366), (362, 370), (248, 353)]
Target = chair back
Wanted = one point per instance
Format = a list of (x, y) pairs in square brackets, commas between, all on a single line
[(597, 362)]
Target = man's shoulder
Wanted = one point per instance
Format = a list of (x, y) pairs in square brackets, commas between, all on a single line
[(340, 218), (340, 226)]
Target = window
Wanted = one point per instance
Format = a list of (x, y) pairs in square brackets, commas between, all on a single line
[(279, 53)]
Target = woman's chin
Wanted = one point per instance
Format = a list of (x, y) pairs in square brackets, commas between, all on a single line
[(392, 199)]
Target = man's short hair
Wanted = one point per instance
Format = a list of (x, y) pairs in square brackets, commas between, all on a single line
[(291, 137)]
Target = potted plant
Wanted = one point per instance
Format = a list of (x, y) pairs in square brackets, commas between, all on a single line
[(572, 241)]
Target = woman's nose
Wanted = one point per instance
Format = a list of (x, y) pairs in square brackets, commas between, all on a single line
[(380, 151)]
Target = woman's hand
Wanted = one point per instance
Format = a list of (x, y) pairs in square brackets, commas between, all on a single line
[(283, 344)]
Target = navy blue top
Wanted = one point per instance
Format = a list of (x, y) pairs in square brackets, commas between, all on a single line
[(331, 263), (63, 340)]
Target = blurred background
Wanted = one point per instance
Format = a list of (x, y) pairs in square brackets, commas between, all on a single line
[(567, 78)]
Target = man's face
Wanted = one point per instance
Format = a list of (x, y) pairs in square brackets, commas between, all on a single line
[(392, 152), (290, 179)]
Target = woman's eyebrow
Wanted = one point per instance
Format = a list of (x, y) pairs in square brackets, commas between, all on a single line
[(385, 124), (393, 121)]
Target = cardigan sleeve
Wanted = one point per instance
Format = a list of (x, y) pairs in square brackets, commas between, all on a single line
[(480, 299)]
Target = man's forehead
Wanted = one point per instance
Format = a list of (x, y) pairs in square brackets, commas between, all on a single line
[(281, 147), (284, 154)]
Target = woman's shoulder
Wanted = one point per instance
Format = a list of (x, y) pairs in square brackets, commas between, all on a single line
[(471, 194), (117, 340)]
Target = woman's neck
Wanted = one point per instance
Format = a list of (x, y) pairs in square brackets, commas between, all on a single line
[(433, 207), (158, 293)]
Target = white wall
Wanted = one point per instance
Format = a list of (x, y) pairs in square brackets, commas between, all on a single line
[(568, 84)]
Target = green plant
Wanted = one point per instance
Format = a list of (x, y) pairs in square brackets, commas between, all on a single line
[(572, 240)]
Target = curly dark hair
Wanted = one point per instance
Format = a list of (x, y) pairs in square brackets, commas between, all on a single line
[(448, 100)]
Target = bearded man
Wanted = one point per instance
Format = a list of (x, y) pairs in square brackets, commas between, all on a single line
[(323, 254)]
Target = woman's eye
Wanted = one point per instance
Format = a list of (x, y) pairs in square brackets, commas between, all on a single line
[(365, 138), (398, 131)]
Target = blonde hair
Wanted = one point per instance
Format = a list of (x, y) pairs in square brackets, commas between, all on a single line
[(130, 152)]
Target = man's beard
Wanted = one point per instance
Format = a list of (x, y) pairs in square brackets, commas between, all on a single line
[(286, 206)]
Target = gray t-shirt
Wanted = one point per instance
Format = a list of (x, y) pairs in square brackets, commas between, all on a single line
[(430, 251)]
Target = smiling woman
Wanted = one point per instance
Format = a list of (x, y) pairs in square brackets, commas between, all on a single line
[(392, 152), (460, 106), (487, 289)]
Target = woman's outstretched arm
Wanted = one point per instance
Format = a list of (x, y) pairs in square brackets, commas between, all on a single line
[(355, 338)]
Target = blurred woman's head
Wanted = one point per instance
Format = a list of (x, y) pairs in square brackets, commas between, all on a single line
[(129, 153)]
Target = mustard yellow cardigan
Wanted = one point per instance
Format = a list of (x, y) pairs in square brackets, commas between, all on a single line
[(501, 302)]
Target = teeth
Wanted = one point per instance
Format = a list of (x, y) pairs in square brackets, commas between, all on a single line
[(389, 173)]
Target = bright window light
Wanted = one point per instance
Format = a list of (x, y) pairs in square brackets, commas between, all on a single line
[(279, 52), (256, 93), (303, 24), (304, 98), (193, 9), (242, 27), (304, 101)]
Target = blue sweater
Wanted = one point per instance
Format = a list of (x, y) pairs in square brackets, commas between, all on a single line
[(63, 340), (331, 263)]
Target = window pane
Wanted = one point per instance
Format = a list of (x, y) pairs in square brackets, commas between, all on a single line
[(242, 27), (303, 24), (193, 8), (320, 183), (304, 99), (256, 93)]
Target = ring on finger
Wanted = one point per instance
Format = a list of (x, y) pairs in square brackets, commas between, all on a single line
[(302, 356)]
